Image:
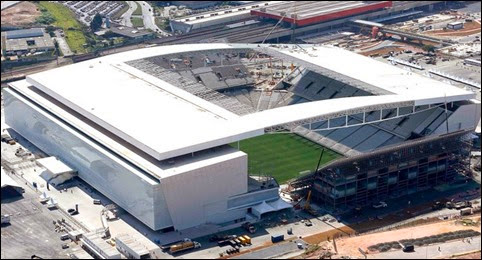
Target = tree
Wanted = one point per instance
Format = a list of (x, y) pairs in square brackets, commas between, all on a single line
[(57, 50), (50, 30), (96, 22)]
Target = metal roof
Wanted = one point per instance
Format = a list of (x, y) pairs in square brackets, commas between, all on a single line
[(24, 33), (54, 165), (165, 121)]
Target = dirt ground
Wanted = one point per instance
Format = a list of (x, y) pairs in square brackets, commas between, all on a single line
[(321, 237), (381, 51), (469, 29), (20, 14), (468, 256), (350, 245)]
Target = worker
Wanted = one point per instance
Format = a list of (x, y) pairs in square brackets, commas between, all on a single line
[(439, 249)]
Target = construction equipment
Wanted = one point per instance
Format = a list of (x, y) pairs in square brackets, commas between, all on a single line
[(185, 245), (5, 219), (249, 227), (278, 238), (248, 239)]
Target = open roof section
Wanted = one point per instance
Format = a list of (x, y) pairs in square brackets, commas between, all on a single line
[(165, 121)]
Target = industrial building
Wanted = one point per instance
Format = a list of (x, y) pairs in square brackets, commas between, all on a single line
[(302, 13), (455, 25), (202, 20), (23, 41), (151, 128)]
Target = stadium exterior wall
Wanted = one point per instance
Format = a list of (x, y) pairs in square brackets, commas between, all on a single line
[(200, 195), (94, 165), (195, 196)]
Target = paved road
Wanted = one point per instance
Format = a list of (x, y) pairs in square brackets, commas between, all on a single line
[(430, 252), (126, 17), (274, 251), (149, 20), (64, 47)]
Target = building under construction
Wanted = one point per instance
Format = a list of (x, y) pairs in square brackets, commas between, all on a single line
[(392, 172)]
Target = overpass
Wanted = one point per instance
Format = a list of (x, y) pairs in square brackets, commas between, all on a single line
[(403, 34)]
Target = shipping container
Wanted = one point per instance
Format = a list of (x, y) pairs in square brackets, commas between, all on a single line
[(277, 238)]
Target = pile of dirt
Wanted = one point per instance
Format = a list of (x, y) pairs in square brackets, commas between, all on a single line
[(23, 13)]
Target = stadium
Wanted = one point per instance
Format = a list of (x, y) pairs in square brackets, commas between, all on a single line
[(185, 135)]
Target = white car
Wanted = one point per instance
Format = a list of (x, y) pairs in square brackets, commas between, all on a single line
[(380, 204)]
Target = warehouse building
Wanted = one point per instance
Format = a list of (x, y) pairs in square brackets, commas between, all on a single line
[(19, 42), (159, 145)]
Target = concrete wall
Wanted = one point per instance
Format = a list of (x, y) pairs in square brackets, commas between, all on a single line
[(119, 181), (200, 195)]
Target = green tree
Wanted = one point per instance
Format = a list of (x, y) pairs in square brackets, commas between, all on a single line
[(57, 50), (96, 22), (50, 30)]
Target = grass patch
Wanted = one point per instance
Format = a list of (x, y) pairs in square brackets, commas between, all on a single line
[(121, 11), (65, 19), (137, 22), (283, 156), (138, 11), (163, 24)]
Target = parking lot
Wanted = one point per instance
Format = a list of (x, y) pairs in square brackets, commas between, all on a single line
[(31, 231), (86, 10)]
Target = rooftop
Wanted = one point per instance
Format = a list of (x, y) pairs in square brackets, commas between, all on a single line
[(308, 12), (54, 165), (224, 13), (165, 121), (24, 33)]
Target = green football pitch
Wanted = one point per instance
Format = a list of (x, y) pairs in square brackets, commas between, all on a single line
[(283, 156)]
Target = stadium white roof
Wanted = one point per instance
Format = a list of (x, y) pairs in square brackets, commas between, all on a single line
[(165, 121)]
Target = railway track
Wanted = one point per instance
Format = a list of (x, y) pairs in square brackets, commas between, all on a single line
[(216, 33)]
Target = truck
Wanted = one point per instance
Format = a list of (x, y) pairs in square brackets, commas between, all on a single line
[(247, 239), (277, 238), (185, 245), (465, 211), (249, 227), (5, 219)]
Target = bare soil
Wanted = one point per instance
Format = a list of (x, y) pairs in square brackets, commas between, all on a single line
[(21, 14)]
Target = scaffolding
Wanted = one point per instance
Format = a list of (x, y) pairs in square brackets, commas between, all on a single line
[(390, 172)]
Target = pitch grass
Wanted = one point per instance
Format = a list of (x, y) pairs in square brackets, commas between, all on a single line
[(283, 156), (65, 19)]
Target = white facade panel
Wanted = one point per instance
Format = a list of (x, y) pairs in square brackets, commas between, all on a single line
[(203, 192), (106, 172), (465, 117)]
